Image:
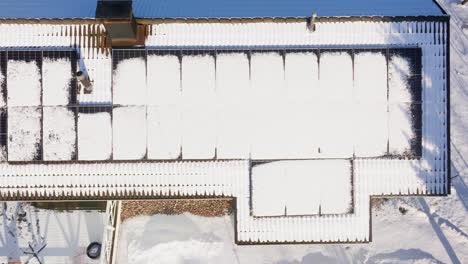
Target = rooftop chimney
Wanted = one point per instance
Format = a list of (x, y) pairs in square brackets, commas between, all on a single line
[(120, 23)]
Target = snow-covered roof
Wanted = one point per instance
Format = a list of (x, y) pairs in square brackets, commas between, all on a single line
[(223, 8), (423, 173)]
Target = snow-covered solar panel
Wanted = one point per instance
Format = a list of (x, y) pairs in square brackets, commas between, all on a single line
[(233, 88), (3, 116), (94, 132), (222, 104), (164, 116), (40, 91), (198, 106), (129, 77), (302, 187), (58, 82), (59, 133)]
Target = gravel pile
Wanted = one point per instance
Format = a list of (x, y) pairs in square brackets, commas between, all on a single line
[(208, 208)]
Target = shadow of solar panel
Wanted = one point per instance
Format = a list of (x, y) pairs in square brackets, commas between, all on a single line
[(413, 56), (93, 109), (3, 72), (119, 55), (416, 141), (162, 52), (26, 55)]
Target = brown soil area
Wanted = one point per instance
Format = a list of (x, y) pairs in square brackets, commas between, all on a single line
[(377, 203), (208, 207)]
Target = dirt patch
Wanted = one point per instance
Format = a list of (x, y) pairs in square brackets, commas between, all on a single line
[(208, 208), (377, 203)]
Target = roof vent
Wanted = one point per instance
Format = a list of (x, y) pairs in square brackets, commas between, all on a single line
[(119, 22)]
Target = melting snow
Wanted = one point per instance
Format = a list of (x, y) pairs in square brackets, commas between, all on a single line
[(399, 71), (401, 130), (24, 133), (59, 133), (24, 83), (56, 77)]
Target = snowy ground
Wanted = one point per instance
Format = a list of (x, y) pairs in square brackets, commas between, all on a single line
[(429, 231), (65, 234)]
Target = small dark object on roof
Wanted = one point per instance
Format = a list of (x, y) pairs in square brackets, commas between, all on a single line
[(402, 210), (94, 250)]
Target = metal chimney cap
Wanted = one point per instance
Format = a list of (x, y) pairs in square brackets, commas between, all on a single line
[(119, 10)]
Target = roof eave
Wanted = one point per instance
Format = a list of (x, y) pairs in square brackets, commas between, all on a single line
[(323, 19)]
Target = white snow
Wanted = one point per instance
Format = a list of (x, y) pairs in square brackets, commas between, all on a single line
[(232, 91), (335, 105), (336, 77), (129, 82), (370, 105), (65, 234), (59, 133), (164, 119), (163, 80), (305, 187), (302, 87), (370, 77), (2, 79), (24, 133), (56, 77), (129, 132), (370, 128), (433, 230), (24, 83), (94, 136), (400, 128), (199, 112), (3, 153), (267, 109), (164, 131)]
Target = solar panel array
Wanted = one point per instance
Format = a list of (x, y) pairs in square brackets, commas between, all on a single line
[(211, 104)]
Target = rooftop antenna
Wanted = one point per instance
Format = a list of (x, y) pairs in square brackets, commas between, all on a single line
[(311, 22)]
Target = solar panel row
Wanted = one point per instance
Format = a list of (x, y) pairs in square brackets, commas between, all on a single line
[(225, 104)]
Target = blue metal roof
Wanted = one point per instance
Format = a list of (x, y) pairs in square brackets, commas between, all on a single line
[(281, 8), (222, 8)]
